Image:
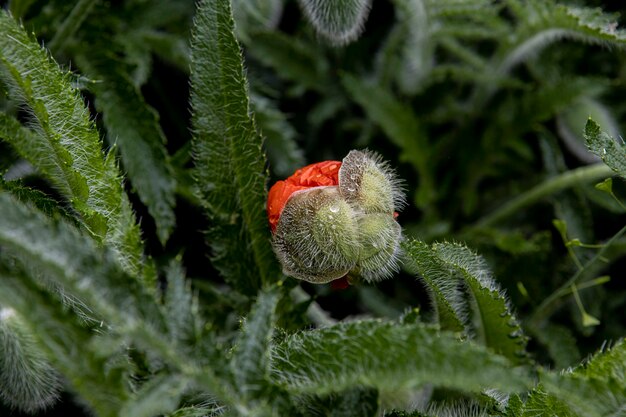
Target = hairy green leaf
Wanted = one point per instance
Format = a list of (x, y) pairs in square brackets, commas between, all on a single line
[(230, 164), (27, 380), (353, 402), (73, 261), (90, 278), (37, 198), (389, 357), (101, 383), (545, 22), (596, 388), (604, 146), (158, 396), (446, 294), (251, 358), (70, 152), (538, 403), (497, 328), (134, 127), (180, 306)]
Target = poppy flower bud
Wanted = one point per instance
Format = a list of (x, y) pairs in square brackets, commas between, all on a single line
[(379, 238), (333, 219), (316, 239), (368, 182)]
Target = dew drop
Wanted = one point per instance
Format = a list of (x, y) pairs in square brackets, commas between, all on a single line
[(351, 189), (334, 208)]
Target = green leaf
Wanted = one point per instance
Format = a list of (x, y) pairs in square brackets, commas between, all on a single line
[(606, 186), (73, 261), (180, 306), (172, 48), (29, 144), (608, 149), (545, 22), (293, 59), (37, 198), (65, 32), (255, 15), (283, 152), (199, 411), (339, 22), (27, 380), (496, 326), (389, 357), (134, 127), (402, 127), (58, 256), (352, 402), (102, 384), (538, 404), (571, 123), (595, 388), (70, 150), (18, 8), (158, 396), (230, 165), (250, 361), (446, 294)]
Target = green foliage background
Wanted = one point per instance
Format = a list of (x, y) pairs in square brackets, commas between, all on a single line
[(137, 142)]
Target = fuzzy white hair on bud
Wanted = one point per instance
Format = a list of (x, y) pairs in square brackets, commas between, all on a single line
[(316, 236), (368, 182), (325, 233), (379, 237), (339, 22)]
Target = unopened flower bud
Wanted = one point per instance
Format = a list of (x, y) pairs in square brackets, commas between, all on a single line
[(379, 238), (369, 183), (316, 239), (333, 219)]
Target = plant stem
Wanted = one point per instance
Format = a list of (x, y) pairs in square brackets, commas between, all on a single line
[(546, 308), (566, 180)]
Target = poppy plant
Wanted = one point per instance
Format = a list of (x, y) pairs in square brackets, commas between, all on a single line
[(335, 219)]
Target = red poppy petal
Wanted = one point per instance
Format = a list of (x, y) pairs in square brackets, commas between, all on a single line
[(315, 175)]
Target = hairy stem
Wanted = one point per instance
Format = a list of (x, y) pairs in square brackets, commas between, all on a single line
[(563, 181)]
